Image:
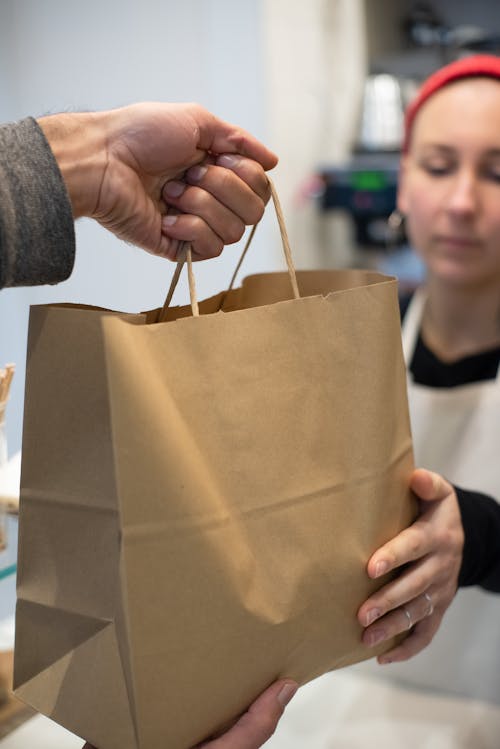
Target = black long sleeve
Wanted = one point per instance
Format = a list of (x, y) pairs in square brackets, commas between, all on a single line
[(481, 555), (37, 237)]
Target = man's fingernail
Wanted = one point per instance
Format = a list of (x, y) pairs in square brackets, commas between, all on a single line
[(381, 568), (174, 188), (196, 173), (228, 160), (287, 693), (371, 616), (169, 220)]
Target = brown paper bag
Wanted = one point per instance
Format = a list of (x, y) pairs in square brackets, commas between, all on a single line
[(199, 500)]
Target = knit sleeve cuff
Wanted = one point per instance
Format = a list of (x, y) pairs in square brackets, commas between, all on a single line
[(37, 235)]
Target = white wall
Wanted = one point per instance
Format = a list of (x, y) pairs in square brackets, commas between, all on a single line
[(97, 54), (316, 65)]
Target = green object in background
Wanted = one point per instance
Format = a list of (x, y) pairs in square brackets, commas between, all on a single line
[(368, 180)]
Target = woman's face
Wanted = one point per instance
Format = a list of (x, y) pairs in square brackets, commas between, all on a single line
[(450, 183)]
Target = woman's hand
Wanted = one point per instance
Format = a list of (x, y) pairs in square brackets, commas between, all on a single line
[(428, 555), (258, 724)]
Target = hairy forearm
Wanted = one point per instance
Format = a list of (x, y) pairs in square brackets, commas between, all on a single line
[(78, 143)]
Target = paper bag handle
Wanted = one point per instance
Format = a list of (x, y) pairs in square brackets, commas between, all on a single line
[(185, 253)]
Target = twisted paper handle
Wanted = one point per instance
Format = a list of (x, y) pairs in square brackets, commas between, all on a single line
[(185, 253)]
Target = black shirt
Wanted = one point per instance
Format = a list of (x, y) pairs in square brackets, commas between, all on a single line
[(427, 369)]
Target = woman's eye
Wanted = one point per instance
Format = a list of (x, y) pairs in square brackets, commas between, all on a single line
[(494, 175), (437, 170)]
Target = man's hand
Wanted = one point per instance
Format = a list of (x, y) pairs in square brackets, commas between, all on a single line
[(158, 174), (431, 549)]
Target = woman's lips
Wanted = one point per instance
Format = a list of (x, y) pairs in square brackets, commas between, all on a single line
[(458, 243)]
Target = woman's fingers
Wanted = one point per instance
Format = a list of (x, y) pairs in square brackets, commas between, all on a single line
[(423, 592), (411, 584), (400, 620), (427, 556), (417, 540), (411, 544), (418, 639)]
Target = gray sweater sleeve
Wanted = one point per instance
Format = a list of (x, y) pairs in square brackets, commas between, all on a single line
[(37, 235)]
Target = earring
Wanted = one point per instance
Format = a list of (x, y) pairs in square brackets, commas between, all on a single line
[(395, 231)]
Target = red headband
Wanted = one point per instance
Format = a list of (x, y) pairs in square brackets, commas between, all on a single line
[(468, 67)]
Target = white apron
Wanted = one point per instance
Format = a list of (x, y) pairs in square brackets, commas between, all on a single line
[(456, 432)]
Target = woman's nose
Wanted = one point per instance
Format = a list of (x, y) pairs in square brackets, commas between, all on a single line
[(463, 194)]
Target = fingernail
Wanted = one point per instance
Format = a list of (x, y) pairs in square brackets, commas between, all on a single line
[(371, 616), (381, 568), (287, 693), (174, 189), (384, 661), (169, 220), (373, 638), (196, 173), (228, 161)]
